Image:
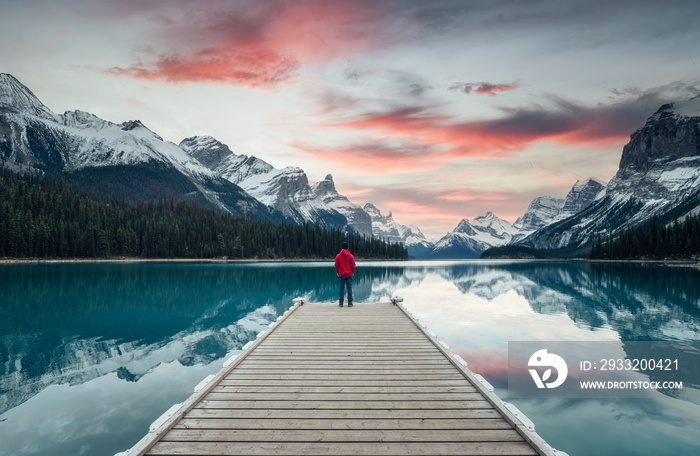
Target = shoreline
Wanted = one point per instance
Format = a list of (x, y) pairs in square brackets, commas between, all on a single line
[(7, 261), (170, 260)]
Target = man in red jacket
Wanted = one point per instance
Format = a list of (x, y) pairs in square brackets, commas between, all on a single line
[(345, 268)]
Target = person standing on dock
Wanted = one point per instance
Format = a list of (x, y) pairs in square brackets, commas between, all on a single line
[(345, 268)]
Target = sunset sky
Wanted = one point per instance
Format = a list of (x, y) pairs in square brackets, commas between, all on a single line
[(435, 111)]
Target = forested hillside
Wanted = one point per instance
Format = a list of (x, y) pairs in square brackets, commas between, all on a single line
[(43, 218), (652, 240)]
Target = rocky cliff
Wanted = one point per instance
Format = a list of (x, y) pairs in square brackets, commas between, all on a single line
[(385, 227), (286, 190), (659, 174), (126, 160)]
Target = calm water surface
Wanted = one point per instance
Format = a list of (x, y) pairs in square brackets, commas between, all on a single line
[(90, 354)]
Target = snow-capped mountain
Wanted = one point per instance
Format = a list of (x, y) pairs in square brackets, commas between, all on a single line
[(659, 174), (541, 212), (286, 190), (385, 227), (545, 210), (471, 237), (581, 195), (125, 160)]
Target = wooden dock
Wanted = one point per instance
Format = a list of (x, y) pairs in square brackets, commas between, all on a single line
[(365, 380)]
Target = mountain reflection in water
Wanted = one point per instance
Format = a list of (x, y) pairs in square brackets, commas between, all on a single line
[(69, 329)]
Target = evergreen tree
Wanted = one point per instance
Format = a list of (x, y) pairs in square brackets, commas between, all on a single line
[(42, 218)]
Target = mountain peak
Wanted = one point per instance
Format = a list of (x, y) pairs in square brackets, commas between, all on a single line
[(372, 210), (581, 195), (200, 141), (677, 110), (687, 108), (17, 97), (326, 186), (671, 133), (207, 150), (488, 215), (590, 181), (375, 213), (137, 127), (471, 237), (658, 175), (131, 124), (542, 211), (487, 220)]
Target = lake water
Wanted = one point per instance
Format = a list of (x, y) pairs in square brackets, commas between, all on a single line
[(91, 354)]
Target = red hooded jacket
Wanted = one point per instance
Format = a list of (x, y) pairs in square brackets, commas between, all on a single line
[(345, 263)]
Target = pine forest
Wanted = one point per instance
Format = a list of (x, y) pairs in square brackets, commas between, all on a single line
[(652, 240), (45, 218)]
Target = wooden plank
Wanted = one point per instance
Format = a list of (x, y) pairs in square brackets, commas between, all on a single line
[(342, 448), (354, 405), (358, 352), (290, 389), (282, 361), (342, 424), (381, 370), (342, 382), (403, 346), (333, 414), (344, 435), (232, 396), (347, 361), (323, 357), (344, 378), (402, 351), (319, 355)]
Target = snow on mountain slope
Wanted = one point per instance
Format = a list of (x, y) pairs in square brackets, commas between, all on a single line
[(659, 174), (385, 227), (545, 210), (125, 144), (16, 98), (286, 190), (206, 150), (581, 195), (86, 140), (326, 193), (541, 211), (471, 237), (85, 148)]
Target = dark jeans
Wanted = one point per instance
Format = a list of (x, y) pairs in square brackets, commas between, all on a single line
[(345, 282)]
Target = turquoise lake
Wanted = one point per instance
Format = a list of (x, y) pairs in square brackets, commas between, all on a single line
[(91, 354)]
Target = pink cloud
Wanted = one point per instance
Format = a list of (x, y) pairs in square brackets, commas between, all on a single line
[(494, 138), (375, 157), (483, 88), (257, 68), (421, 126), (256, 44), (491, 89), (468, 195)]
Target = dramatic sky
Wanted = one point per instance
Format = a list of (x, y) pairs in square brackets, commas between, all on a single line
[(434, 110)]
